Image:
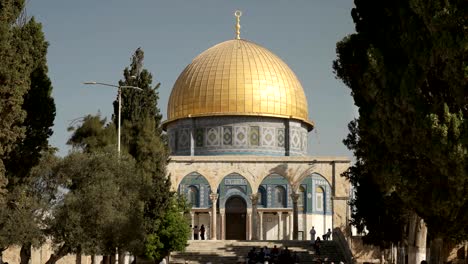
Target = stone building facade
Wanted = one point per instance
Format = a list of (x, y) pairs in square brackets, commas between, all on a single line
[(220, 189)]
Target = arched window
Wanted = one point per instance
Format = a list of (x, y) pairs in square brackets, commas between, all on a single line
[(192, 196), (280, 197), (319, 195), (262, 196), (301, 202)]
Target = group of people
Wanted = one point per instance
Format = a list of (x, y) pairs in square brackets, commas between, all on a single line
[(325, 236), (199, 233), (275, 256), (317, 241)]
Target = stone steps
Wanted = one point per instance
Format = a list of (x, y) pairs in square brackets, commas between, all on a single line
[(230, 251)]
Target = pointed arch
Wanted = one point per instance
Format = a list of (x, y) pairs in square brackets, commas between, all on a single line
[(196, 189), (233, 172), (322, 194), (302, 201), (278, 191), (262, 196), (234, 184)]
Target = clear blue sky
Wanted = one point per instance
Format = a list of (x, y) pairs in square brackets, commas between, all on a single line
[(94, 40)]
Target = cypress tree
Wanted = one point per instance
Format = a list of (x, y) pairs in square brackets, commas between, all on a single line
[(27, 111), (142, 136), (406, 68)]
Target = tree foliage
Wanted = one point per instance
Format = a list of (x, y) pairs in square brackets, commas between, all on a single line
[(142, 138), (174, 231), (142, 133), (29, 206), (14, 69), (27, 112), (102, 208), (92, 134), (38, 105), (406, 68)]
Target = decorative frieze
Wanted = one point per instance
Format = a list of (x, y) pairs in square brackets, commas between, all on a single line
[(238, 135)]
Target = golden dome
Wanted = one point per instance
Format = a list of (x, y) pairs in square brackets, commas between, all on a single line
[(238, 78)]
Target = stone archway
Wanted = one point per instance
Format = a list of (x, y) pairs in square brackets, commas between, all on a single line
[(236, 216)]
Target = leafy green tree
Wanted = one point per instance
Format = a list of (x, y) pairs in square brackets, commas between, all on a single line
[(102, 209), (174, 230), (40, 114), (14, 83), (27, 111), (29, 206), (380, 216), (142, 136), (406, 68), (92, 133)]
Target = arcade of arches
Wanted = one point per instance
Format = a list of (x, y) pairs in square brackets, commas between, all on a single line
[(222, 197)]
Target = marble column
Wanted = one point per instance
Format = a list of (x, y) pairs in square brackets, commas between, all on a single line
[(261, 226), (222, 213), (249, 224), (192, 223), (290, 224), (295, 197), (280, 227), (214, 199), (208, 231), (254, 198)]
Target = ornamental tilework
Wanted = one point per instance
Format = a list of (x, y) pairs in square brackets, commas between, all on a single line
[(319, 181), (227, 136), (237, 135), (240, 138), (184, 139), (268, 137), (304, 141), (212, 136), (199, 137), (280, 137), (202, 196), (269, 197), (254, 135), (295, 139), (172, 140)]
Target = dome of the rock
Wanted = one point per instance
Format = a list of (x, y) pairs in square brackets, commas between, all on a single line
[(238, 78)]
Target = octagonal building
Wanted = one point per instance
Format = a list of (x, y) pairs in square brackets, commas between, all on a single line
[(238, 126)]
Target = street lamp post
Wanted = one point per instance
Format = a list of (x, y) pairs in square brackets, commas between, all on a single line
[(119, 88)]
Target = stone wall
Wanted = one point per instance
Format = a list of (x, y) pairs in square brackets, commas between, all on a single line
[(40, 256)]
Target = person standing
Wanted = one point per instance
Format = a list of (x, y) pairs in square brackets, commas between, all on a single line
[(312, 235), (195, 233), (328, 234), (317, 246), (202, 232)]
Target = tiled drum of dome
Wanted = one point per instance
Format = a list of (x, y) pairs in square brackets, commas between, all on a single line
[(212, 137), (268, 137), (227, 136), (240, 136)]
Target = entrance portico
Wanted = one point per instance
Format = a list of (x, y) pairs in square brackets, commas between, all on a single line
[(236, 218), (320, 195)]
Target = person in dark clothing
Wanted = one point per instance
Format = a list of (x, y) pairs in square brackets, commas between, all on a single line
[(317, 246), (252, 256), (202, 232), (195, 233), (261, 256)]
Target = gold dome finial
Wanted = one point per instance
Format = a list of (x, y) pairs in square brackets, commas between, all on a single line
[(238, 14)]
